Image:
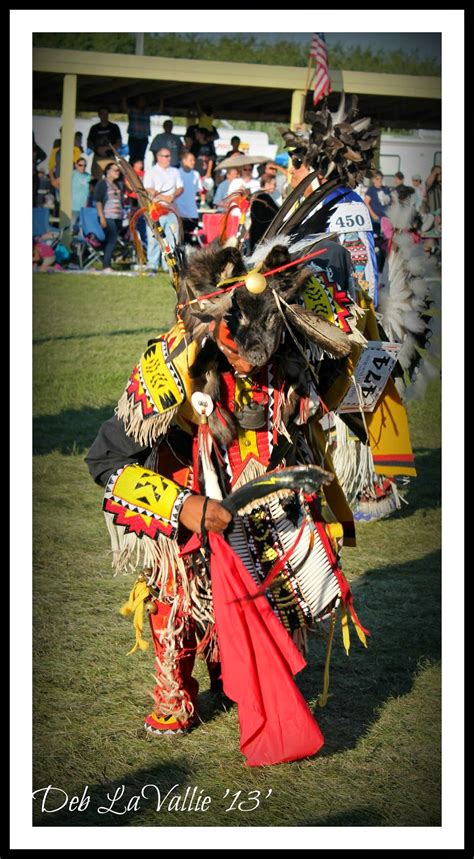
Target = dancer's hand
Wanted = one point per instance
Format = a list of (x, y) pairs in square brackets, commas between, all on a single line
[(217, 517)]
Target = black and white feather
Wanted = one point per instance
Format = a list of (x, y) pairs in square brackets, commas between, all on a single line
[(338, 144), (410, 305)]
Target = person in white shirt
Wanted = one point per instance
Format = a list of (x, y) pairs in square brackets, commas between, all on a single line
[(192, 185), (420, 190), (223, 188), (247, 175), (164, 184), (237, 183)]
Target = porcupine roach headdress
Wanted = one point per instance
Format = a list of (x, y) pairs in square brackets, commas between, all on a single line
[(338, 144)]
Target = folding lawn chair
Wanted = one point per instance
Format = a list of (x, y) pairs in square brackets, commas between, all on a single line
[(89, 241), (41, 226)]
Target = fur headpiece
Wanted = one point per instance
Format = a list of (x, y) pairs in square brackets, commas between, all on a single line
[(214, 284), (338, 144), (255, 320)]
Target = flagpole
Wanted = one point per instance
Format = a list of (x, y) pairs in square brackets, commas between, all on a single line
[(309, 72)]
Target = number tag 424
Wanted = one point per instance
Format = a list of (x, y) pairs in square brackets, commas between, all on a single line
[(371, 376)]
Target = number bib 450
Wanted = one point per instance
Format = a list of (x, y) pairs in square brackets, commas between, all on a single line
[(350, 218)]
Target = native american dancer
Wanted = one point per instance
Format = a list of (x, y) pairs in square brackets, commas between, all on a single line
[(237, 554), (369, 431), (410, 303)]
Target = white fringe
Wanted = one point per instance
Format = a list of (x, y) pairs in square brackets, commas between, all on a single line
[(252, 469), (269, 499), (158, 558), (201, 601), (353, 463), (171, 700), (382, 507), (278, 423), (144, 430)]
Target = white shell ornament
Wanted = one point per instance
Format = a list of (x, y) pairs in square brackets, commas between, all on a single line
[(256, 282), (202, 403)]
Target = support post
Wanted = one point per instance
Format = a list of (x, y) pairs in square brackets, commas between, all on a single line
[(298, 99), (67, 149), (377, 150)]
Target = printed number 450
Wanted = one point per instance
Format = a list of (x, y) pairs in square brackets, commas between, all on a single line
[(350, 221)]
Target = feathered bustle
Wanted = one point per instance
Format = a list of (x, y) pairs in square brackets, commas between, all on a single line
[(410, 305)]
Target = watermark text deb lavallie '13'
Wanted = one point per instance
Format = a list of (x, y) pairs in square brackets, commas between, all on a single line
[(54, 799)]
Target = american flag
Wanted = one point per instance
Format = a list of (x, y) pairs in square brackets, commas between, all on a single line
[(322, 82)]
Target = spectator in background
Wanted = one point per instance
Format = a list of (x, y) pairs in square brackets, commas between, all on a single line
[(91, 196), (138, 126), (399, 189), (377, 200), (78, 140), (362, 187), (235, 143), (44, 258), (38, 156), (250, 183), (432, 202), (44, 197), (204, 152), (206, 120), (54, 163), (297, 170), (223, 187), (189, 139), (164, 185), (109, 202), (420, 190), (212, 131), (220, 175), (237, 183), (186, 204), (398, 179), (80, 186), (138, 168), (262, 210), (170, 141), (272, 170), (101, 136)]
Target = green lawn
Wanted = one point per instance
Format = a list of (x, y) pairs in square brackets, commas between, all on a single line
[(380, 765)]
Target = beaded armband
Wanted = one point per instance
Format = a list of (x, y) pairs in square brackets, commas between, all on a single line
[(158, 386), (143, 502)]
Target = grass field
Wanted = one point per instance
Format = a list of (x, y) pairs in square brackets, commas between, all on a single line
[(380, 765)]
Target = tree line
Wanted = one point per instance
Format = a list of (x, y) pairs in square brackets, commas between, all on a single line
[(241, 47)]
